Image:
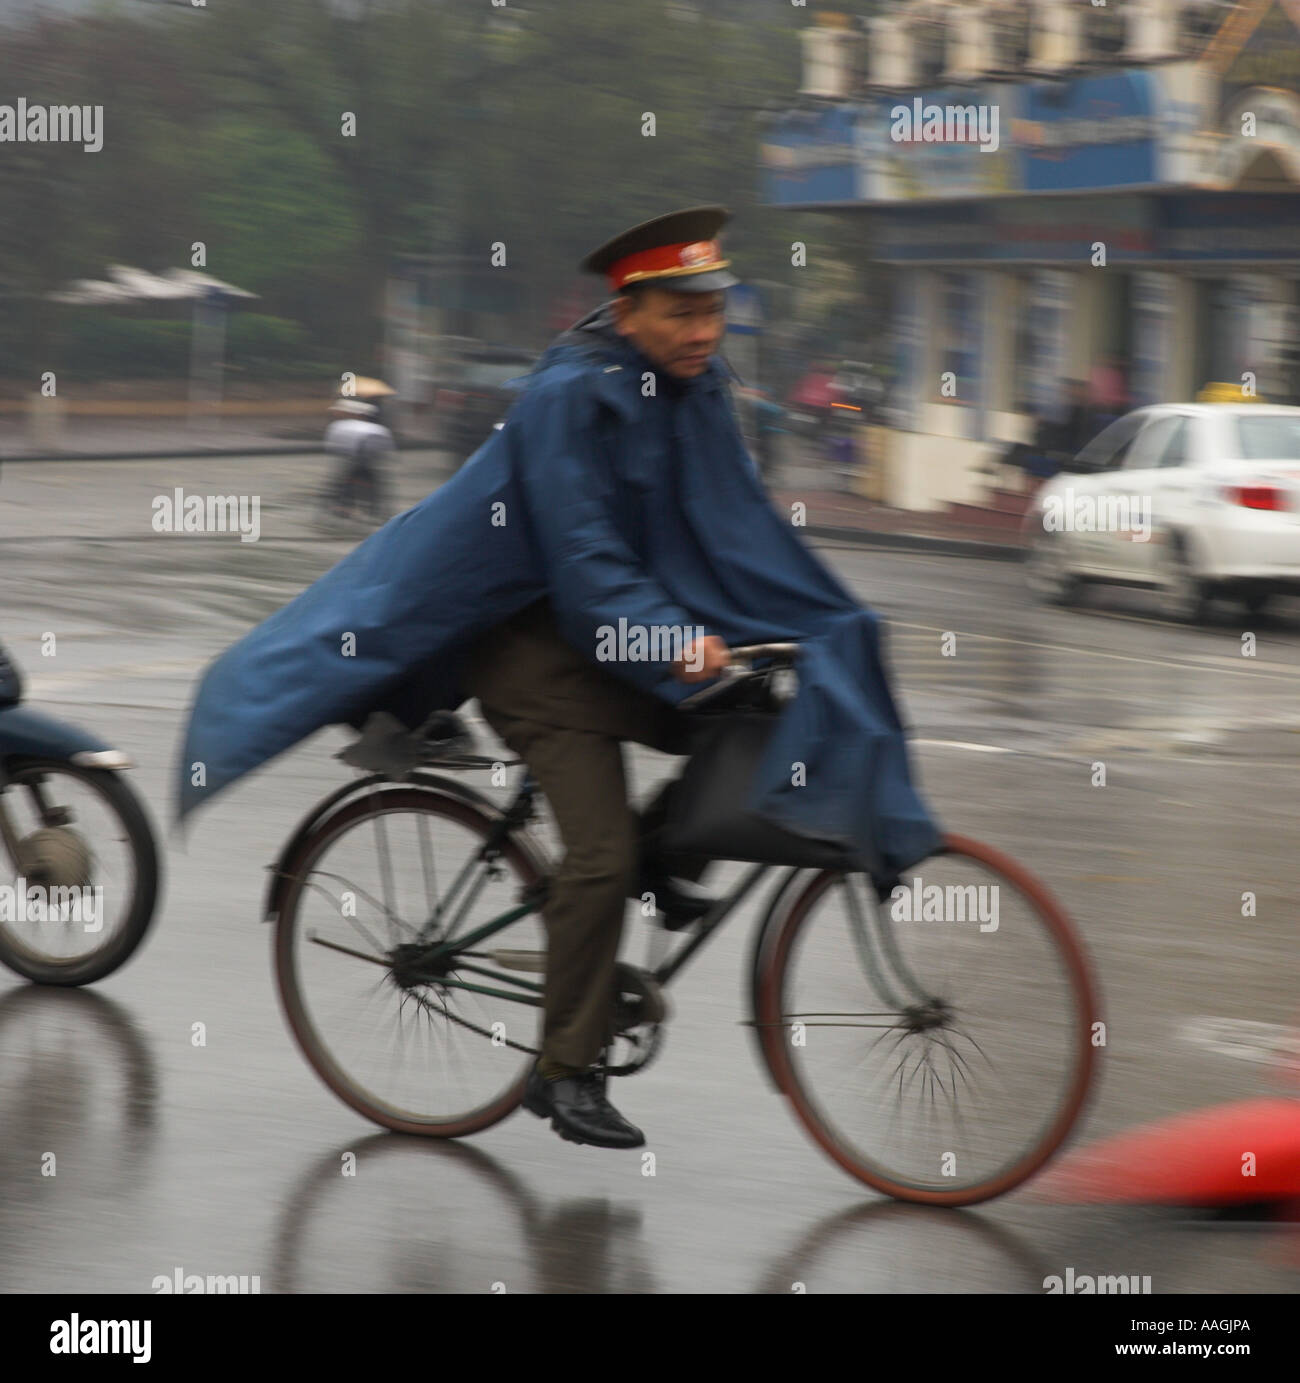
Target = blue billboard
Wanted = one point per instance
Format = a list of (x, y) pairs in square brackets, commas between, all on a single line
[(1101, 131), (1115, 130), (811, 156)]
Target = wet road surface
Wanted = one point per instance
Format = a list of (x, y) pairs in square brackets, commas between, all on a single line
[(230, 1157)]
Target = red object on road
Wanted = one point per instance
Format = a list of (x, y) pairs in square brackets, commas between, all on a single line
[(1195, 1159)]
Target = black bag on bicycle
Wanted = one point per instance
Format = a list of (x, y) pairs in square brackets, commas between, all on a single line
[(707, 814)]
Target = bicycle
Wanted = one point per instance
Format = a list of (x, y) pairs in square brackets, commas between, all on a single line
[(829, 958), (354, 499)]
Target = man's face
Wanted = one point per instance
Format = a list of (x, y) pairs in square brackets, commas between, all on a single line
[(677, 331)]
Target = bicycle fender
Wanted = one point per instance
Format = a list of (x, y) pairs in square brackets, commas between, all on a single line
[(279, 873), (33, 734)]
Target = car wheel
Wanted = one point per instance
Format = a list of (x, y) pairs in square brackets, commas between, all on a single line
[(1048, 572), (1186, 594)]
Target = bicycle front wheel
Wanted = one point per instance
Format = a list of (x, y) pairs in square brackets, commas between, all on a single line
[(938, 1045), (426, 1046)]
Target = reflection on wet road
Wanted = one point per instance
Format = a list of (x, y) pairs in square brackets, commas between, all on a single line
[(187, 1132)]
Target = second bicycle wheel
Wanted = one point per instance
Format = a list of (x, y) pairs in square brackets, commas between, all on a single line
[(439, 1054), (938, 1045)]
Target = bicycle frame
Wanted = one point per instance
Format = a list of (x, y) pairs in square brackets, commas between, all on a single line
[(877, 949), (520, 810), (451, 947), (437, 948)]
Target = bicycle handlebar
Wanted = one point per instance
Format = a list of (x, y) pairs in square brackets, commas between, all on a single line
[(746, 654)]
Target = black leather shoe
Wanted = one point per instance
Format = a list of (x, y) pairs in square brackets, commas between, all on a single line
[(579, 1111), (679, 901)]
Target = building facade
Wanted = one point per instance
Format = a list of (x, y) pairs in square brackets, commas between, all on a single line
[(1064, 191)]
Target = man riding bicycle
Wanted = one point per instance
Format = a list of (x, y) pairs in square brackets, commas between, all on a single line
[(616, 499), (566, 715)]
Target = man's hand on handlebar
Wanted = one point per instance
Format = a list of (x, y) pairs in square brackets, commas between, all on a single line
[(705, 659)]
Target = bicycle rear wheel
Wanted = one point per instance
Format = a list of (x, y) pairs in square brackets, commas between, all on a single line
[(443, 1050), (939, 1045)]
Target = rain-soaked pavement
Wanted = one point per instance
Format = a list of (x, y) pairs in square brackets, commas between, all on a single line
[(229, 1157)]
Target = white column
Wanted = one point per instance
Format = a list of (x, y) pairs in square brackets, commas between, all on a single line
[(1049, 302), (1000, 340), (1086, 296), (930, 354), (1181, 383), (1153, 307), (913, 333), (1266, 327)]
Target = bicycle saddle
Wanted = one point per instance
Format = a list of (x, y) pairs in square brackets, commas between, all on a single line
[(446, 736), (386, 746)]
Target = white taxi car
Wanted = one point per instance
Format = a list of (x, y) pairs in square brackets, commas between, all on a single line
[(1191, 500)]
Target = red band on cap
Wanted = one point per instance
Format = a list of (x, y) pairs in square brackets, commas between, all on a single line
[(689, 257)]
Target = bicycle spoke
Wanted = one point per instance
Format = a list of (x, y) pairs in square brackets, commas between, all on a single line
[(428, 867), (361, 894), (385, 865), (347, 950)]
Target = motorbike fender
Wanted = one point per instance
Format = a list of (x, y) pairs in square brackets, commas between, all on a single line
[(33, 734)]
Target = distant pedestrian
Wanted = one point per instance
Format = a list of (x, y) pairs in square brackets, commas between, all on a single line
[(1078, 423), (813, 396), (1060, 433), (362, 443), (1042, 458), (1107, 391)]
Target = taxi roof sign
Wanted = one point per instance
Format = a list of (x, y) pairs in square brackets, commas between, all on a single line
[(1223, 391)]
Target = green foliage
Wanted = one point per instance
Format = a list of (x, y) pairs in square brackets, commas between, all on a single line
[(255, 342), (473, 125), (271, 213), (102, 345), (99, 345)]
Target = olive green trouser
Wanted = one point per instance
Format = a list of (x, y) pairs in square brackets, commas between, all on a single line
[(582, 776)]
